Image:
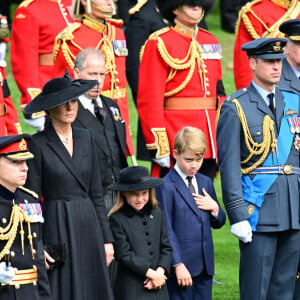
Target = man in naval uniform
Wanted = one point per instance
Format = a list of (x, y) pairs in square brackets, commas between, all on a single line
[(22, 267)]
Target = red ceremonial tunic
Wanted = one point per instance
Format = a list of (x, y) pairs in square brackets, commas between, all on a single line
[(260, 18), (110, 39), (9, 122), (35, 26), (169, 101)]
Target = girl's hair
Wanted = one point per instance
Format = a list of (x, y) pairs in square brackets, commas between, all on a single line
[(121, 200)]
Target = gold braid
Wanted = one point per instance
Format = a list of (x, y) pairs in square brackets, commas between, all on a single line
[(9, 233), (194, 55), (292, 12), (254, 148)]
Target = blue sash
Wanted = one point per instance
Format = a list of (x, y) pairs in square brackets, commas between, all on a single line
[(255, 189)]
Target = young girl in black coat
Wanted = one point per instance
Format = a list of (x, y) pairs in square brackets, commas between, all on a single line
[(142, 247)]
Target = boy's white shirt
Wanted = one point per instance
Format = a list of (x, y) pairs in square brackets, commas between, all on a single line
[(183, 177), (194, 182)]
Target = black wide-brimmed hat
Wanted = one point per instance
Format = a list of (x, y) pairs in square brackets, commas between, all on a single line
[(291, 29), (266, 48), (166, 7), (14, 147), (58, 91), (135, 178)]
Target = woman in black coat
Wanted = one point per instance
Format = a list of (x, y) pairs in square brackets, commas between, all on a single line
[(65, 173), (142, 247)]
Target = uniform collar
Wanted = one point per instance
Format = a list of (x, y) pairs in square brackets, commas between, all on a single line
[(6, 194), (264, 93), (184, 30), (93, 24)]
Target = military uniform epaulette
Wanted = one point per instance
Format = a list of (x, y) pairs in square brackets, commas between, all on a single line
[(243, 16), (116, 22), (157, 33), (28, 191), (292, 8), (66, 34), (63, 36), (25, 3), (236, 94), (153, 36)]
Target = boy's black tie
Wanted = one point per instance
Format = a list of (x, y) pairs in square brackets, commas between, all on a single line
[(191, 186), (99, 111)]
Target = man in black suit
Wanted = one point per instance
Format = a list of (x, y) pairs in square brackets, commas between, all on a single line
[(101, 115)]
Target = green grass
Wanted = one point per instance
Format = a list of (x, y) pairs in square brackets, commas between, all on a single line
[(226, 246)]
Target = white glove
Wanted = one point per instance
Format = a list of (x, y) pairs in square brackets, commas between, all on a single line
[(242, 230), (37, 123), (7, 274), (163, 161), (3, 50)]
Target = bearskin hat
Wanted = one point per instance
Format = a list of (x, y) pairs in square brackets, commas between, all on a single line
[(166, 6)]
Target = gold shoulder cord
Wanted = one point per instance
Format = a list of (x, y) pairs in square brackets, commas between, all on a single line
[(153, 36), (137, 7), (194, 55), (254, 148), (9, 233), (293, 10), (25, 3), (61, 42), (104, 44), (243, 17)]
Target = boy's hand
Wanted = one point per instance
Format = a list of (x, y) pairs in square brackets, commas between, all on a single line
[(206, 202), (183, 275)]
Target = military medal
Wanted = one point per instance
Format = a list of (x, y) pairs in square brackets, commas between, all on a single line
[(33, 211), (297, 142), (291, 125), (120, 48), (116, 113), (297, 124)]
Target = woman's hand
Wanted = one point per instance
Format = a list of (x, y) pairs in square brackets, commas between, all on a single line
[(49, 259)]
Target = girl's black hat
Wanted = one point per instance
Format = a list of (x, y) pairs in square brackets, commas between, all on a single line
[(135, 178)]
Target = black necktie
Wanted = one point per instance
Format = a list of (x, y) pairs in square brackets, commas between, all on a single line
[(191, 186), (99, 111), (272, 104)]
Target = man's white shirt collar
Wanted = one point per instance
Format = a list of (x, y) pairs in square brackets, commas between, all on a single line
[(88, 104)]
